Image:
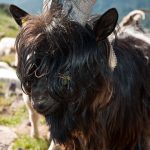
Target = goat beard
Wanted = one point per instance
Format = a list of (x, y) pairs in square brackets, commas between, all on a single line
[(62, 126), (68, 131)]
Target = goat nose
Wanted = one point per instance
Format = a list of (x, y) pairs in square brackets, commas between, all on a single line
[(40, 106)]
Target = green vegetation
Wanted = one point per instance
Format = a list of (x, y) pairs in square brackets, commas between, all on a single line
[(42, 120), (28, 143), (14, 118), (5, 8), (8, 27)]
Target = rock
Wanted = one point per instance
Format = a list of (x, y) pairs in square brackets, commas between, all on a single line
[(7, 136)]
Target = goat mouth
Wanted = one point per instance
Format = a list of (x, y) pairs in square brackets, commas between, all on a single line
[(44, 106)]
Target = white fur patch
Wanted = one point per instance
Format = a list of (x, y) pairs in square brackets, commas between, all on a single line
[(112, 59), (137, 34)]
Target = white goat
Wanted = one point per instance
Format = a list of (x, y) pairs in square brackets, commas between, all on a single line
[(7, 45), (8, 75), (130, 25), (132, 20)]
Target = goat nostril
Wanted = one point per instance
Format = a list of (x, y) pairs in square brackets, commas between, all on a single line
[(44, 106), (40, 105)]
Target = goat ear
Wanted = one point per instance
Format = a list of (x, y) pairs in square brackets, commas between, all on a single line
[(106, 24), (18, 14)]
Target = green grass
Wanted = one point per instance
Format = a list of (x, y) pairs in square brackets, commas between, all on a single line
[(15, 118), (42, 120), (8, 27), (27, 143)]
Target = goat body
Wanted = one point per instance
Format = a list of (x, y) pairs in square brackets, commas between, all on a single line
[(94, 93)]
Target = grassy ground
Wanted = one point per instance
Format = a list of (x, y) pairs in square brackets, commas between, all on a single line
[(8, 27), (15, 116), (28, 143)]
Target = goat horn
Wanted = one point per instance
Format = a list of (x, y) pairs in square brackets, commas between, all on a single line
[(79, 9), (133, 14), (47, 4), (138, 12)]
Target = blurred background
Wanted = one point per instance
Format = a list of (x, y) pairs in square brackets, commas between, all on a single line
[(15, 127)]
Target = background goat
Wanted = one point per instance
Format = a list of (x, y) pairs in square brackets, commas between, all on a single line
[(131, 26), (8, 75), (7, 46)]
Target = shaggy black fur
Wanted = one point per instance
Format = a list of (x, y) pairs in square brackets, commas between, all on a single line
[(88, 104)]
